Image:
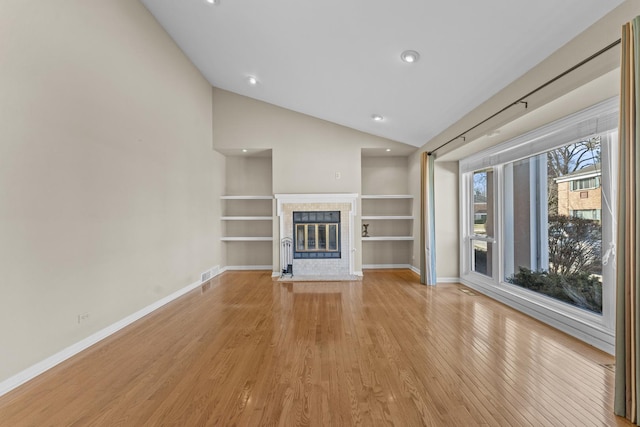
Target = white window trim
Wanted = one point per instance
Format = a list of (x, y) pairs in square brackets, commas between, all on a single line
[(594, 120), (578, 178), (597, 330)]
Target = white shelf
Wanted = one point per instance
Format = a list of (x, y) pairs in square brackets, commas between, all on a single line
[(387, 217), (246, 239), (246, 197), (386, 238), (387, 196), (246, 218)]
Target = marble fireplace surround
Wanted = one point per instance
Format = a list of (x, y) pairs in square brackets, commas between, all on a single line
[(346, 203)]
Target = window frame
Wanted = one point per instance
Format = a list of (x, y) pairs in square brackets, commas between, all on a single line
[(596, 329), (595, 178)]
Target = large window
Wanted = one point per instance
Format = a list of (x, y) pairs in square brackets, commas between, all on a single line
[(538, 221), (554, 251)]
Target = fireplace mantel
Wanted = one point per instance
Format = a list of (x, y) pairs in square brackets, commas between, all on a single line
[(317, 198)]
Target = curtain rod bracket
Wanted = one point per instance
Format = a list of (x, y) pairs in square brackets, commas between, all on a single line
[(526, 104)]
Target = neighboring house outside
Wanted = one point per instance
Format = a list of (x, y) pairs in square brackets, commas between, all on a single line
[(580, 193)]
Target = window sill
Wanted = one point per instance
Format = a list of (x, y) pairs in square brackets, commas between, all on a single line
[(584, 326)]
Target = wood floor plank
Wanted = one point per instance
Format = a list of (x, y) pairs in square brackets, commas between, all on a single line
[(245, 350)]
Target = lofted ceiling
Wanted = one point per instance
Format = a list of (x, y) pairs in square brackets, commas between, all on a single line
[(340, 60)]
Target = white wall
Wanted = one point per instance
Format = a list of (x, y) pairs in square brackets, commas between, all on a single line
[(106, 172)]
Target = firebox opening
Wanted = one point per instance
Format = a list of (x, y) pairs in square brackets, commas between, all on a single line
[(316, 234)]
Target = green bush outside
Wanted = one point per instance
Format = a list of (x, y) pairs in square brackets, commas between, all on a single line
[(575, 264), (580, 289)]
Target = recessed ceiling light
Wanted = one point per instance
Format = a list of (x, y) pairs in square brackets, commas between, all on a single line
[(388, 149), (213, 1), (244, 150), (377, 117), (410, 56), (252, 80)]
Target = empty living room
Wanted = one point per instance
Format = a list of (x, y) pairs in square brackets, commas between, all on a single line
[(240, 213)]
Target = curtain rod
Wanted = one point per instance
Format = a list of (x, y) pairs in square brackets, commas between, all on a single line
[(521, 100)]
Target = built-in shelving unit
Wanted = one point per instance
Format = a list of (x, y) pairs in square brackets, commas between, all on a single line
[(389, 214), (385, 204), (247, 219), (247, 228)]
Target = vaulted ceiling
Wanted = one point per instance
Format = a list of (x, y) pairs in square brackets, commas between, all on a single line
[(340, 61)]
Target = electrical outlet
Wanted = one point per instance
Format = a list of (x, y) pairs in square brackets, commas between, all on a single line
[(83, 317), (338, 175)]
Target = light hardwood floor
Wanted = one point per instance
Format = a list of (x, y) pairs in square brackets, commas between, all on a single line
[(248, 351)]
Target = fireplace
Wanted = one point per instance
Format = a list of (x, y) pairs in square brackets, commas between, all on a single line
[(321, 227), (317, 235)]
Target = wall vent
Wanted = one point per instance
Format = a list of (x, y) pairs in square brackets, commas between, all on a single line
[(609, 366), (205, 276)]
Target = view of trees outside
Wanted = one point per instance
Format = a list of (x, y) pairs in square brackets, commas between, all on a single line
[(567, 160), (483, 221), (574, 272), (571, 268)]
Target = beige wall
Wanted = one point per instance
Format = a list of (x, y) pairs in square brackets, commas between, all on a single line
[(447, 219), (106, 172), (385, 175), (446, 216), (307, 152), (248, 176), (219, 189)]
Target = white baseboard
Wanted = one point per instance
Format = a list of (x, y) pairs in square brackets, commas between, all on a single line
[(247, 267), (385, 266), (415, 270), (358, 273), (59, 357), (448, 280)]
